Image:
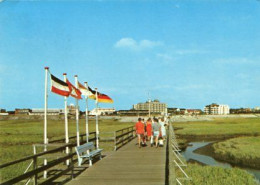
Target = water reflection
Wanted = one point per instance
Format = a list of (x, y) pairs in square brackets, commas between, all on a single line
[(189, 154)]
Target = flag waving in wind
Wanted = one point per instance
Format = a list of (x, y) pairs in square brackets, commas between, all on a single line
[(101, 98), (59, 87), (86, 91), (74, 91)]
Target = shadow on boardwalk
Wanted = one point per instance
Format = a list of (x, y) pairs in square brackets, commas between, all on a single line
[(57, 176), (129, 165)]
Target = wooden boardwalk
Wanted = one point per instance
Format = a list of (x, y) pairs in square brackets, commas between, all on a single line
[(128, 165)]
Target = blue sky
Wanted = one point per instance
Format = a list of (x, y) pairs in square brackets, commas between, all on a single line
[(185, 53)]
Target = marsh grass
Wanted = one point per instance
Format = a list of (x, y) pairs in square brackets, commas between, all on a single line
[(243, 151), (208, 175), (219, 127)]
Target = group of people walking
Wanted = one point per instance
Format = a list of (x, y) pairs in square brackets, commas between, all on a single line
[(151, 130)]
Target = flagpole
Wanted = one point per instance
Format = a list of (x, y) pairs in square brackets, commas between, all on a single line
[(66, 120), (45, 116), (77, 111), (45, 105), (97, 131), (86, 97)]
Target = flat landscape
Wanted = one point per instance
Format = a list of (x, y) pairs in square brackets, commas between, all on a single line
[(235, 140)]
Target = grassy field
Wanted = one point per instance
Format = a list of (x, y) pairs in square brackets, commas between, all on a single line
[(240, 151), (219, 128), (17, 137), (208, 175)]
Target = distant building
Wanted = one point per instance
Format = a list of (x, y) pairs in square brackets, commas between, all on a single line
[(133, 112), (244, 110), (3, 112), (217, 109), (22, 111), (40, 112), (173, 110), (102, 111), (71, 109), (194, 111), (183, 111), (155, 106)]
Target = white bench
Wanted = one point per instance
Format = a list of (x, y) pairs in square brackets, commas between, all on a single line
[(87, 150)]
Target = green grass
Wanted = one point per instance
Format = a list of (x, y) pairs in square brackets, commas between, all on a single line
[(219, 127), (17, 137), (208, 175), (241, 151)]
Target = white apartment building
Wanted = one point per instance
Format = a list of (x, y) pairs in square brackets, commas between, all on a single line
[(217, 109), (102, 111)]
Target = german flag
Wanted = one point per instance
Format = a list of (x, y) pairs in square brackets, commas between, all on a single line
[(59, 87), (101, 98), (86, 91)]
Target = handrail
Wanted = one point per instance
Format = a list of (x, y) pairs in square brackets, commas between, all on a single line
[(123, 136), (35, 155), (34, 173), (123, 129), (72, 137), (175, 150)]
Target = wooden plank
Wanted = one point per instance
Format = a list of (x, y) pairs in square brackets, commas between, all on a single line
[(129, 165)]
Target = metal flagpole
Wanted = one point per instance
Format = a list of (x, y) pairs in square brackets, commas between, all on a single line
[(86, 97), (66, 120), (97, 131), (77, 111), (45, 105), (45, 116)]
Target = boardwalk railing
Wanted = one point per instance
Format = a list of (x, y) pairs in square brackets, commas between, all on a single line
[(123, 136), (175, 160), (39, 168), (58, 157)]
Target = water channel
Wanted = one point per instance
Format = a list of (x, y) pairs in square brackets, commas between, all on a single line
[(189, 154)]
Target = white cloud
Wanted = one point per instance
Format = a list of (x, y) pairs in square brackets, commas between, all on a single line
[(132, 44), (242, 60)]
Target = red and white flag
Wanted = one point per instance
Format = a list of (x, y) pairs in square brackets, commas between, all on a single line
[(59, 87), (74, 91)]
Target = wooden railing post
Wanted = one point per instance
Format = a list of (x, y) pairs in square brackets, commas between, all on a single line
[(35, 167), (129, 134), (115, 141), (72, 164)]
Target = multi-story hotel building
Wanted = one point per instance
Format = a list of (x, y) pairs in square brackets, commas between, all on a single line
[(216, 109), (155, 106)]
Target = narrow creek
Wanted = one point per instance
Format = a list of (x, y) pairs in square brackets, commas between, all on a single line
[(189, 154)]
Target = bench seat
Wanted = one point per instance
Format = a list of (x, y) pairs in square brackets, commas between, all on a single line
[(92, 153), (87, 150)]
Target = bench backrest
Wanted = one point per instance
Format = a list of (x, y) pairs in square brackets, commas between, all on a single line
[(83, 148)]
